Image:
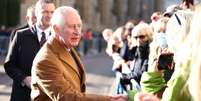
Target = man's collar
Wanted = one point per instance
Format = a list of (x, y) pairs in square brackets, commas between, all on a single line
[(68, 50), (39, 30)]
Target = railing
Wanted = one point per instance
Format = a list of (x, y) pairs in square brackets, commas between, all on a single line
[(4, 42)]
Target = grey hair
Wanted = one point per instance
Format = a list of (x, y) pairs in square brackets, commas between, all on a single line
[(59, 13), (178, 27), (144, 29)]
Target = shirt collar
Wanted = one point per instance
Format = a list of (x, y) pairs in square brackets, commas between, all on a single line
[(46, 31), (67, 49), (39, 31)]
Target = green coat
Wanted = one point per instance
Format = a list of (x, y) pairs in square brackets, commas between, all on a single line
[(176, 88)]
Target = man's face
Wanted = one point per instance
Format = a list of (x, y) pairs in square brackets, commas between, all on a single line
[(31, 18), (139, 39), (70, 32), (44, 14)]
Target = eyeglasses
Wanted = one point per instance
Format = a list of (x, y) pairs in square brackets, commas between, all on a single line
[(139, 36)]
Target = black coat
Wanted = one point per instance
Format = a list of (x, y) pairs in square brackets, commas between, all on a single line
[(140, 57), (140, 62), (15, 30), (18, 63)]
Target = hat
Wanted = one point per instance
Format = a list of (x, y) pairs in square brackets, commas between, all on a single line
[(171, 10)]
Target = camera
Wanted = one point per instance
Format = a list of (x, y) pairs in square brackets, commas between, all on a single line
[(165, 61)]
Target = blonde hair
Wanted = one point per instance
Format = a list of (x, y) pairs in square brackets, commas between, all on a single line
[(194, 41), (114, 40), (31, 10), (119, 32), (161, 25), (107, 33), (177, 28)]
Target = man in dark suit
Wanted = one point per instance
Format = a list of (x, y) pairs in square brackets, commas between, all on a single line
[(30, 19), (23, 49)]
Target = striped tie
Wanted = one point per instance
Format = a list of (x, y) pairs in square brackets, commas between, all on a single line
[(43, 39)]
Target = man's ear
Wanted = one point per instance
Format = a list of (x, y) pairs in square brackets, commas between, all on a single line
[(55, 28), (27, 18)]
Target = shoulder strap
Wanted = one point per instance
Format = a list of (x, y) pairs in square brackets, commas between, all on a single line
[(178, 20)]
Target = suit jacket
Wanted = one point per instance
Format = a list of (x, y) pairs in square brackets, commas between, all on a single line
[(58, 75), (18, 63), (15, 30)]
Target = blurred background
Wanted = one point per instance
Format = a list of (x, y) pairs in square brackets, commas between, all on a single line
[(96, 15)]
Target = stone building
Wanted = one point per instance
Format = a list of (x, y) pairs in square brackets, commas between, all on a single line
[(99, 14)]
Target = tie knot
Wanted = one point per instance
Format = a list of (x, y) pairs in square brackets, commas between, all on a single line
[(43, 33), (43, 39)]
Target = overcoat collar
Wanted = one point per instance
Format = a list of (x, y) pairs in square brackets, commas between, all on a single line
[(66, 56)]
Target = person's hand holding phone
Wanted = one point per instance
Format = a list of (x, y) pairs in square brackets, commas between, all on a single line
[(162, 60)]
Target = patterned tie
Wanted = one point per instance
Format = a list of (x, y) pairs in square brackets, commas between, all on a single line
[(43, 39)]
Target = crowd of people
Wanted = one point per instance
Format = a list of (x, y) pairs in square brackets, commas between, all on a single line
[(161, 58), (151, 61)]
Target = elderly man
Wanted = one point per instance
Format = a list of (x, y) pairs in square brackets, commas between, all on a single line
[(57, 72), (23, 49)]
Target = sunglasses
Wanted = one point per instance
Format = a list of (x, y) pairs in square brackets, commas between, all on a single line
[(140, 37)]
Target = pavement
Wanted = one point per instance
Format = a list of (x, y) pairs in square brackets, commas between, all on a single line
[(100, 78)]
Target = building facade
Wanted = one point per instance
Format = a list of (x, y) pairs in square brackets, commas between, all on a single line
[(99, 14)]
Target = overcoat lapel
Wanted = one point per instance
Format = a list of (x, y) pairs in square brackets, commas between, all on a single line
[(80, 65), (66, 58), (62, 53)]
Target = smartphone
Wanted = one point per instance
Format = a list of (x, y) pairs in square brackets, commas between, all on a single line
[(165, 61)]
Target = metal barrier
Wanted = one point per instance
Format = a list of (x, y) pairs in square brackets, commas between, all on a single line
[(4, 42)]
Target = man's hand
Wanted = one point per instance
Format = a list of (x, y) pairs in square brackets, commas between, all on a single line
[(27, 81), (119, 97), (145, 97)]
